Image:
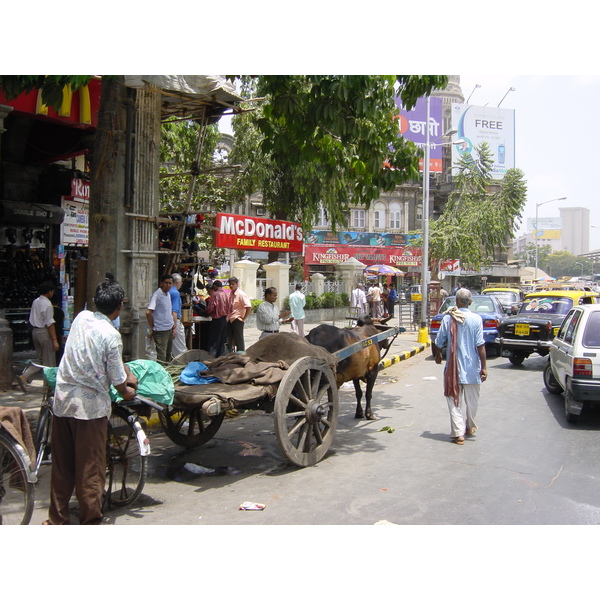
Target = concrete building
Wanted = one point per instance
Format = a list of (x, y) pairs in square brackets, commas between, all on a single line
[(575, 229)]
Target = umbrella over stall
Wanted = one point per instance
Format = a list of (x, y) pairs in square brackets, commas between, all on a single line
[(383, 270)]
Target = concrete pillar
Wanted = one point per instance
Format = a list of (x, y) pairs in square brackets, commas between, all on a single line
[(278, 276), (245, 271), (318, 280), (351, 273), (6, 356)]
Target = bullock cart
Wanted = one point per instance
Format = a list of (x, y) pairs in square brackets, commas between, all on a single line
[(299, 389)]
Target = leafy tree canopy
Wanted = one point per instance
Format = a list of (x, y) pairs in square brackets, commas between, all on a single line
[(326, 141), (565, 264), (527, 257), (51, 86), (476, 221)]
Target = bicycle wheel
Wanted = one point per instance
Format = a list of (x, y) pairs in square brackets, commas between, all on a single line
[(126, 466), (17, 495), (41, 441)]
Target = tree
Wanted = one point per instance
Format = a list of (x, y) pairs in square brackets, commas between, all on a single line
[(476, 221), (564, 264), (326, 141), (528, 255)]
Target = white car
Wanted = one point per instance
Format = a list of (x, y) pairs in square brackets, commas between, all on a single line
[(574, 364)]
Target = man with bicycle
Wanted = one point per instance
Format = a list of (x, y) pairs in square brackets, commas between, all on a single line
[(92, 361)]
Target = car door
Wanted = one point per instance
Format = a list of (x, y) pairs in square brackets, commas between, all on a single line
[(561, 353)]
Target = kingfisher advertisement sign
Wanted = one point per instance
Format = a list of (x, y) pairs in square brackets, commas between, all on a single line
[(412, 126), (253, 233), (477, 124), (368, 255)]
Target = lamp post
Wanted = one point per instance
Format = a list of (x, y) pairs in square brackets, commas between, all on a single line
[(536, 230), (423, 336), (581, 265)]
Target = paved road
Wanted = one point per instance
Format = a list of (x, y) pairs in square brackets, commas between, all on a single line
[(525, 465)]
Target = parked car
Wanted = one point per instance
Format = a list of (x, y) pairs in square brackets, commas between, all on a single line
[(537, 322), (573, 366), (487, 307), (510, 298)]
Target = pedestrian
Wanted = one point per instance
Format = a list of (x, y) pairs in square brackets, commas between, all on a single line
[(358, 299), (45, 341), (241, 307), (392, 299), (456, 288), (92, 361), (443, 294), (161, 320), (461, 332), (268, 316), (376, 308), (297, 304), (384, 300), (218, 307), (179, 345)]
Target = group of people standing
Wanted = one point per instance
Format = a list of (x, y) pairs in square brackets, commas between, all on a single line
[(376, 302), (228, 314)]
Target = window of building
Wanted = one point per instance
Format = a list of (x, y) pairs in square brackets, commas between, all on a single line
[(358, 218), (379, 215), (395, 215), (322, 221)]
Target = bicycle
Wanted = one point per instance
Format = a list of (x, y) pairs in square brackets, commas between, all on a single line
[(127, 447), (17, 479)]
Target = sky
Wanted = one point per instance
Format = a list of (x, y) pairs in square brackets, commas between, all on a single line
[(557, 137)]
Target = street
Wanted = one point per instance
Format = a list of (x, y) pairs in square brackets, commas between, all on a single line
[(525, 464)]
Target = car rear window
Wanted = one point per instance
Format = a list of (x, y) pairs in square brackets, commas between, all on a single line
[(547, 305), (591, 335), (505, 298)]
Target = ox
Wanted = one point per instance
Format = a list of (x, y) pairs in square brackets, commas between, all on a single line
[(360, 366)]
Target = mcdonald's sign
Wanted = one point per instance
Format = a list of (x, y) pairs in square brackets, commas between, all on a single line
[(78, 109)]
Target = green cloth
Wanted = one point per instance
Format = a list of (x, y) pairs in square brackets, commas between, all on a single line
[(153, 381)]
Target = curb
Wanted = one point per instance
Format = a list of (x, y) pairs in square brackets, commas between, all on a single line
[(396, 358)]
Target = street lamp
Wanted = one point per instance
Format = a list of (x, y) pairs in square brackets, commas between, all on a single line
[(581, 265), (536, 229), (512, 89), (423, 336)]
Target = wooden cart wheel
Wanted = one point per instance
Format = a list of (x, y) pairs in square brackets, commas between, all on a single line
[(306, 411), (189, 427)]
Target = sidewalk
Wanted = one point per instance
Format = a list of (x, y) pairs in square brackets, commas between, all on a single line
[(403, 347)]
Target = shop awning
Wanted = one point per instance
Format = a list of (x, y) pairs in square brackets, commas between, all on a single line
[(22, 213)]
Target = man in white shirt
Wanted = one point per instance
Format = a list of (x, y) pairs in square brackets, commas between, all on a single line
[(45, 342), (91, 363), (358, 299), (268, 316), (162, 320), (297, 304)]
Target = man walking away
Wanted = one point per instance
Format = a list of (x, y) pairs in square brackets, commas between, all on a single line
[(218, 307), (297, 304), (461, 331), (179, 344), (241, 307), (45, 342), (91, 363), (163, 325)]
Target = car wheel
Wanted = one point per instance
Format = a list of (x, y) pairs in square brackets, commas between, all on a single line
[(571, 418), (550, 381), (517, 358)]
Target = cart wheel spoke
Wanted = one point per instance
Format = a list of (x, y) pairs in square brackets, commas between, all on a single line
[(309, 384)]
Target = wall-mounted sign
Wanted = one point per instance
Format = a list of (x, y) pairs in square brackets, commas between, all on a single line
[(26, 212), (252, 233), (368, 255), (75, 229)]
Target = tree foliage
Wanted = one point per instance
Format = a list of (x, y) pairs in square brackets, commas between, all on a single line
[(565, 264), (476, 221), (326, 141), (527, 257)]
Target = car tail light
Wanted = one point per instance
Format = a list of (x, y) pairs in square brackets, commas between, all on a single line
[(490, 324), (582, 367), (435, 325)]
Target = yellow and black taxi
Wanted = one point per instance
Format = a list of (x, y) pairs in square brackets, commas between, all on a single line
[(511, 298), (533, 328)]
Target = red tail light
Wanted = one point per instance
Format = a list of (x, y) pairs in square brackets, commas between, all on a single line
[(490, 324), (435, 325), (582, 367)]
